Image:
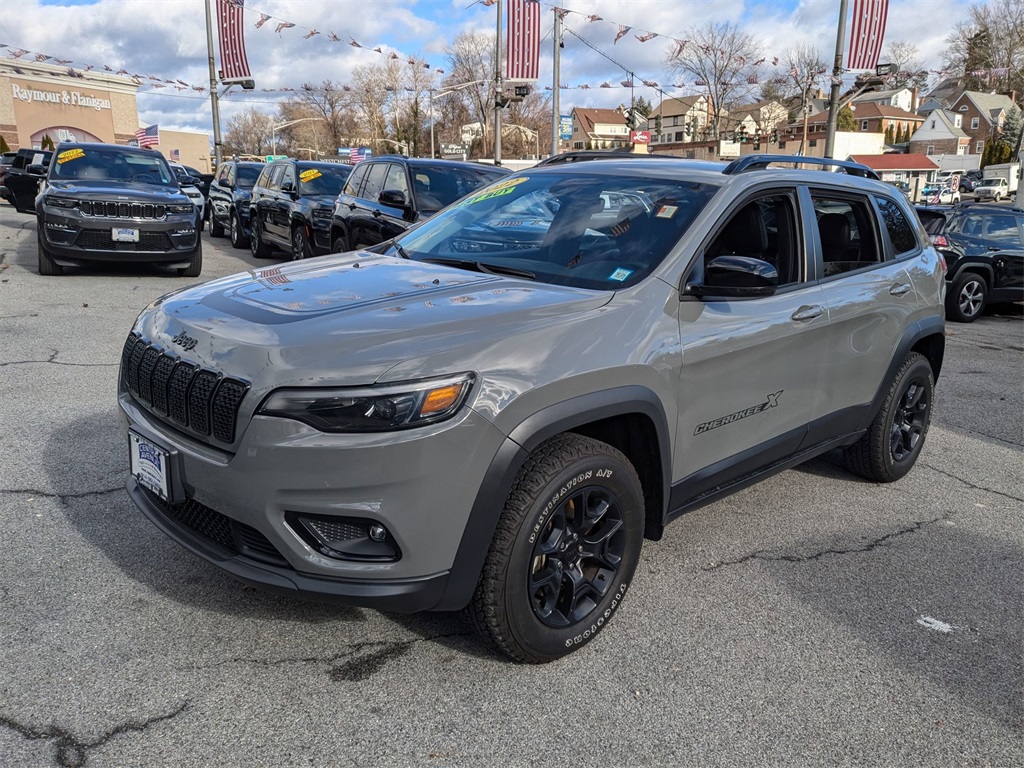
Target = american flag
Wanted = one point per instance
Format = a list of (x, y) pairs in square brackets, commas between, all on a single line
[(148, 137), (233, 63), (522, 49), (867, 29), (175, 155), (355, 155)]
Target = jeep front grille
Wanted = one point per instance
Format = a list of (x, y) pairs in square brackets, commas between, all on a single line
[(116, 210), (199, 400), (102, 240)]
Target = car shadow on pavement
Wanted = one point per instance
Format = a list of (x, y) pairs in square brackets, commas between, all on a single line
[(941, 602)]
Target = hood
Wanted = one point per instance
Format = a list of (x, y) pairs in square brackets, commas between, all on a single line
[(112, 190), (347, 319)]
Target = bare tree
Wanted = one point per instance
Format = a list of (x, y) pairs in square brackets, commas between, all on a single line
[(328, 101), (369, 101), (720, 56), (807, 72), (988, 49), (471, 58), (249, 133), (910, 72)]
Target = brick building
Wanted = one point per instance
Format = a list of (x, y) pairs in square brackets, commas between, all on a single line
[(982, 116), (941, 133)]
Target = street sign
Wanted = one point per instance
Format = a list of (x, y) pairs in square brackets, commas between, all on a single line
[(565, 127), (272, 158), (640, 137), (454, 149), (886, 69)]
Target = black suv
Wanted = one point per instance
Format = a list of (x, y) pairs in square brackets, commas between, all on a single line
[(21, 181), (105, 202), (228, 202), (983, 245), (385, 196), (291, 207)]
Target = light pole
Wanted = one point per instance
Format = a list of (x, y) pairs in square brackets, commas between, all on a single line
[(291, 122), (438, 95), (400, 144)]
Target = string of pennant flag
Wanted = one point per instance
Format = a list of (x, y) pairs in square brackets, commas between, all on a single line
[(263, 20)]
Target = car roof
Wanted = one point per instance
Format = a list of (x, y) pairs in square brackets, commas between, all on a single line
[(435, 161), (142, 151)]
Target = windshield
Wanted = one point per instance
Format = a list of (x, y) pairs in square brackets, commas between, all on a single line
[(111, 165), (438, 186), (586, 230), (246, 175), (323, 179)]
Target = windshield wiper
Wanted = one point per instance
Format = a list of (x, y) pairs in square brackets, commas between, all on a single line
[(480, 266)]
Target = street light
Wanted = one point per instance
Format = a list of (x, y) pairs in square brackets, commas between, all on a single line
[(403, 146), (291, 122), (445, 92)]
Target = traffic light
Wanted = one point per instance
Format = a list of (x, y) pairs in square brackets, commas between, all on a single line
[(775, 137), (631, 119), (657, 125)]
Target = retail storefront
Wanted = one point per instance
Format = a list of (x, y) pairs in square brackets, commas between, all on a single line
[(38, 100)]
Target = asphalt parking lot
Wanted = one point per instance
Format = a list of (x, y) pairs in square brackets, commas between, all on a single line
[(814, 619)]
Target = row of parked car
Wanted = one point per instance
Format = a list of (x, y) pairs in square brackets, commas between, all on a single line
[(309, 208), (97, 201)]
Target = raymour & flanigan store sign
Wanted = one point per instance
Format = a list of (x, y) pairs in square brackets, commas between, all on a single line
[(69, 98)]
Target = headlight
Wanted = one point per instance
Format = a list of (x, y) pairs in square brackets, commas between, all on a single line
[(61, 202), (371, 409), (182, 208), (322, 213)]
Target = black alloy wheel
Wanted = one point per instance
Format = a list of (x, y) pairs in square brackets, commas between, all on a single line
[(256, 245), (892, 443), (910, 419), (300, 244), (577, 557), (235, 229)]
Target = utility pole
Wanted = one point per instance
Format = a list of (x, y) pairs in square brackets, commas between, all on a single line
[(556, 117), (498, 88), (217, 144), (837, 82)]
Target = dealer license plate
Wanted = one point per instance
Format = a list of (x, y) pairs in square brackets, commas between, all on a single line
[(125, 235), (149, 465)]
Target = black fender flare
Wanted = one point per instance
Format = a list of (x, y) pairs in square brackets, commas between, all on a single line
[(513, 452), (983, 267)]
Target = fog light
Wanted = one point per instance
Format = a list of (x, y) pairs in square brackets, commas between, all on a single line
[(344, 538), (184, 231)]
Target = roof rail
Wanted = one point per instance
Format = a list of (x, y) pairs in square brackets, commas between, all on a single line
[(598, 154), (760, 162)]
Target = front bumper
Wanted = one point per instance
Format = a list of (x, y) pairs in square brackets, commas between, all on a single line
[(238, 510), (75, 241)]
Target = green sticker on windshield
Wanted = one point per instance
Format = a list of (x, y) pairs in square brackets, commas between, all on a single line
[(620, 275)]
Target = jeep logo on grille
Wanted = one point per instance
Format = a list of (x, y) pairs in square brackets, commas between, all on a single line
[(184, 341)]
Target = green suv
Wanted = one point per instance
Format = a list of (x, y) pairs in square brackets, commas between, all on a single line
[(494, 409)]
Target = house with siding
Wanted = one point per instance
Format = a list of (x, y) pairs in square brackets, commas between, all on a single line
[(876, 118), (941, 133), (598, 128), (982, 116), (683, 119)]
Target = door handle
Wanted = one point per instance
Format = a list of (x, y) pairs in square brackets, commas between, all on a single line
[(808, 312), (351, 206), (899, 289), (376, 213)]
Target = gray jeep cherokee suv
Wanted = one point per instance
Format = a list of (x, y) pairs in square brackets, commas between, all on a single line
[(496, 409)]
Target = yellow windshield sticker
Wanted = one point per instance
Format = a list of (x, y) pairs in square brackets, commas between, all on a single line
[(70, 154), (491, 194), (310, 174)]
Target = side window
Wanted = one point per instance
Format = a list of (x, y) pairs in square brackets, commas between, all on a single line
[(355, 180), (901, 234), (222, 174), (287, 181), (375, 181), (766, 229), (274, 174), (1002, 227), (229, 173), (396, 179), (846, 233)]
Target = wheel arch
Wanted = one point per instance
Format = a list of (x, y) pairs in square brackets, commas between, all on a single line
[(977, 267), (631, 419)]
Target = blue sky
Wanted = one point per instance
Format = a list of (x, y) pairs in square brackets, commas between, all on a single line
[(167, 38)]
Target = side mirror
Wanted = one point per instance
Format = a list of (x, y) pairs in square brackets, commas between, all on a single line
[(736, 277), (288, 187), (36, 170), (393, 198)]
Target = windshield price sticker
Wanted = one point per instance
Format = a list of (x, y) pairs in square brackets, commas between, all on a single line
[(70, 154), (310, 174)]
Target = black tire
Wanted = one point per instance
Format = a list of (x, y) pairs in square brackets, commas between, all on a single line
[(216, 230), (890, 447), (236, 232), (47, 266), (544, 592), (257, 247), (340, 243), (301, 249), (195, 266), (966, 297)]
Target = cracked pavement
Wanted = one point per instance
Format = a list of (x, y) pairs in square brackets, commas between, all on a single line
[(813, 619)]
